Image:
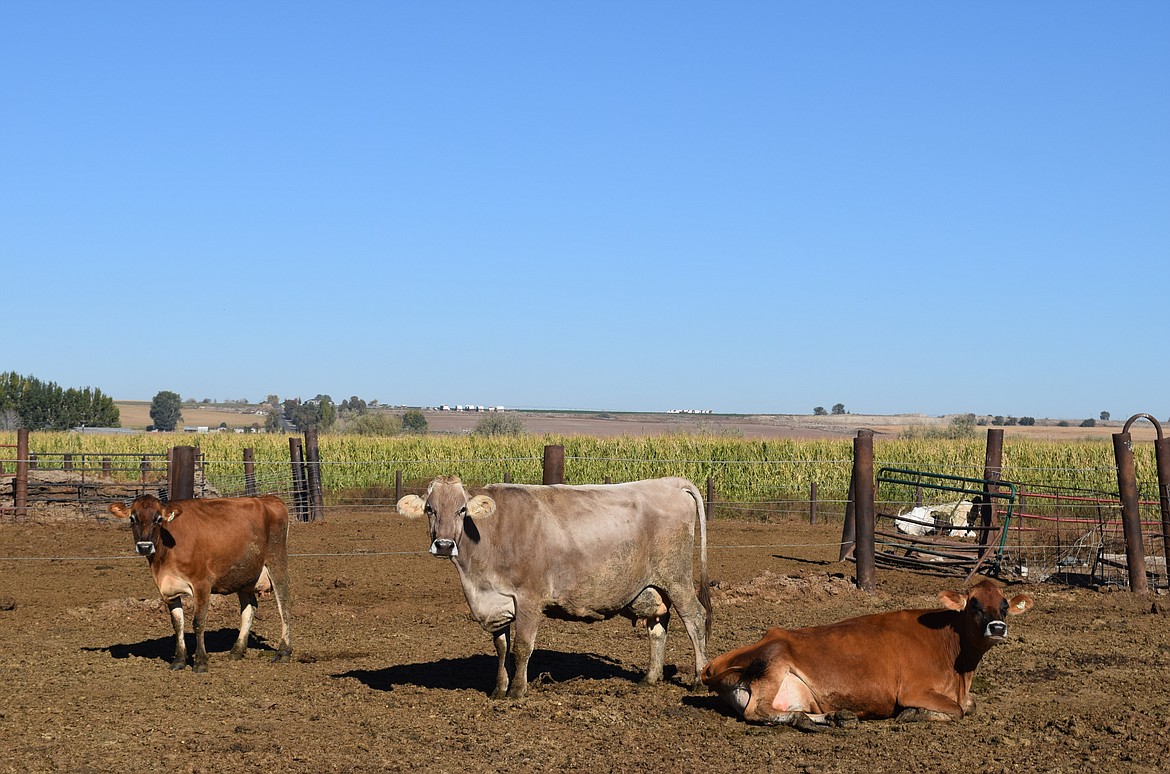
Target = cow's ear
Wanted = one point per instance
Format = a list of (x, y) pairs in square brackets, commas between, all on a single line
[(1020, 603), (481, 507), (953, 600), (119, 510), (412, 506), (174, 512)]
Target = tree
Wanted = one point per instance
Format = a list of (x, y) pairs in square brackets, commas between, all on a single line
[(499, 423), (1027, 421), (272, 423), (1104, 416), (838, 408), (380, 423), (819, 411), (1090, 422), (166, 409), (414, 421)]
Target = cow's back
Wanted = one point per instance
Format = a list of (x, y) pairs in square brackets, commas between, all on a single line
[(592, 548), (229, 538)]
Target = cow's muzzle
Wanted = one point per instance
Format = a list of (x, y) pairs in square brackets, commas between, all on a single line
[(996, 630), (444, 547), (144, 548)]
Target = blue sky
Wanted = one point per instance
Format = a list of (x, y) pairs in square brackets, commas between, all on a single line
[(746, 207)]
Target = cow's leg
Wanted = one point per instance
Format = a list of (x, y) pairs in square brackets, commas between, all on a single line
[(179, 660), (649, 606), (198, 620), (277, 567), (527, 622), (928, 705), (656, 626), (247, 614), (695, 619), (500, 639)]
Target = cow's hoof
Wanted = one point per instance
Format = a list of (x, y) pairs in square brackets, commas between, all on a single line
[(918, 715), (844, 719), (802, 722), (235, 655), (178, 666), (282, 655), (200, 668)]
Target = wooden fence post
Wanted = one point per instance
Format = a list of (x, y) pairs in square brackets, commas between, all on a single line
[(20, 485), (992, 465), (1131, 517), (297, 461), (181, 474), (249, 472), (864, 508), (554, 464), (313, 468)]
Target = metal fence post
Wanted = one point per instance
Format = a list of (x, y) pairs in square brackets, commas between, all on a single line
[(1131, 517)]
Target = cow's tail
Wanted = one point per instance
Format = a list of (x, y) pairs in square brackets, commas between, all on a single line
[(704, 584)]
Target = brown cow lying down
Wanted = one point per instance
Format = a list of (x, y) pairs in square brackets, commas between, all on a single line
[(913, 664)]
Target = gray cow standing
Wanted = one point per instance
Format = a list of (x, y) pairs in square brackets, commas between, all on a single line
[(578, 552)]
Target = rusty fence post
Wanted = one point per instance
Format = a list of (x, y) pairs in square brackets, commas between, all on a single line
[(1131, 517), (20, 485), (812, 503), (864, 508), (554, 464), (249, 472), (710, 498), (1162, 458)]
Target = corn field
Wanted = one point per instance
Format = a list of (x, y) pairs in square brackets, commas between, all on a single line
[(743, 470)]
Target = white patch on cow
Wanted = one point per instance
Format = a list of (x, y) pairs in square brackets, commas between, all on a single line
[(171, 586)]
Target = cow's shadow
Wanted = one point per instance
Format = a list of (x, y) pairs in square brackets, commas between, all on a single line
[(163, 648), (479, 672)]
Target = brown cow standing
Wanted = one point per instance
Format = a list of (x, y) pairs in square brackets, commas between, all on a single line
[(214, 546), (916, 664), (578, 552)]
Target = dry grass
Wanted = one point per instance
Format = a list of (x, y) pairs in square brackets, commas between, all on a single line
[(136, 414)]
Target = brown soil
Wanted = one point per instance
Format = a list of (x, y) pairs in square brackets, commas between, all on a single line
[(389, 674)]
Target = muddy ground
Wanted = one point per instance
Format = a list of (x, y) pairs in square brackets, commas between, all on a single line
[(389, 674)]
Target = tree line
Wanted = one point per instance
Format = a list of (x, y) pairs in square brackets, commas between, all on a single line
[(28, 402)]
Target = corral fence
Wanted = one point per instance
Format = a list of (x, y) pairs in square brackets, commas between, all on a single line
[(77, 482), (1017, 529), (1019, 526)]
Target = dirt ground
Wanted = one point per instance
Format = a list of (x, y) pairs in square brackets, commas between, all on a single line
[(389, 674)]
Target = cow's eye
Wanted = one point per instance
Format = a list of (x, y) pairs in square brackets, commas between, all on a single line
[(463, 511), (428, 510)]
